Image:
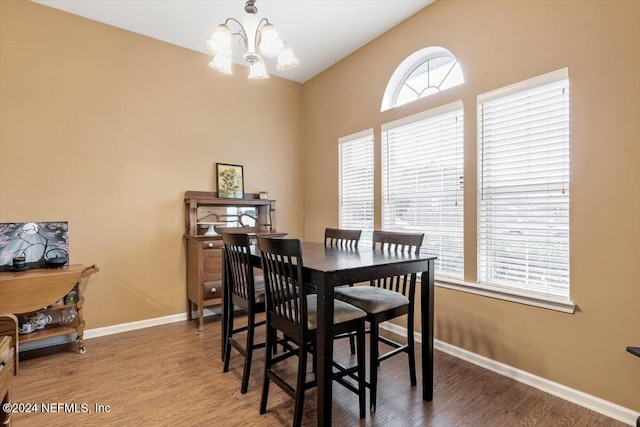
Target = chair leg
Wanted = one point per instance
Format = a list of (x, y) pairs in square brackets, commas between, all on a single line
[(362, 389), (228, 327), (314, 362), (248, 352), (373, 365), (352, 344), (411, 349), (267, 367), (302, 375)]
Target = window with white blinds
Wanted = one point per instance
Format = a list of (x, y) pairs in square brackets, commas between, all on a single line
[(523, 194), (356, 184), (423, 184)]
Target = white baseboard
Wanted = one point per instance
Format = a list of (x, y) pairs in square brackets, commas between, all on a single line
[(132, 326), (578, 397)]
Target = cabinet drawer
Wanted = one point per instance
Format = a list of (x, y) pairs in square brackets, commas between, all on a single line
[(212, 289), (211, 244)]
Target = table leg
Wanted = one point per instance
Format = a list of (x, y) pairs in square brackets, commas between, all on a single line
[(324, 354), (427, 316)]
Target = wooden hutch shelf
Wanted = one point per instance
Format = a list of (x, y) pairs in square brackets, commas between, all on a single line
[(203, 210)]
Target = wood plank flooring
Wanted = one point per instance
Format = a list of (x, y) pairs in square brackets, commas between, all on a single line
[(171, 375)]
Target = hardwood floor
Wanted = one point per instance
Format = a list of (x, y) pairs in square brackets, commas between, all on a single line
[(171, 375)]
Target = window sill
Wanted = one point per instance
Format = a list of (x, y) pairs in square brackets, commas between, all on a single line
[(551, 303)]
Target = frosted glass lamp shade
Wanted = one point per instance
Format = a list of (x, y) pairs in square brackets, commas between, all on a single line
[(220, 41), (222, 64), (286, 59), (257, 70), (270, 42)]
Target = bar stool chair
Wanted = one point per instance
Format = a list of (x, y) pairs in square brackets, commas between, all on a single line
[(339, 237), (343, 238), (292, 310), (245, 292), (386, 299)]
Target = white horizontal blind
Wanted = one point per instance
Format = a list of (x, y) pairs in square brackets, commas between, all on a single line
[(356, 184), (422, 183), (523, 207)]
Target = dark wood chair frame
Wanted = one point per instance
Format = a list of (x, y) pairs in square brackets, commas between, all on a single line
[(406, 285), (287, 312), (342, 238), (241, 288)]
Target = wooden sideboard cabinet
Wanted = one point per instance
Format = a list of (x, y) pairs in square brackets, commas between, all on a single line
[(26, 292), (206, 216), (6, 377)]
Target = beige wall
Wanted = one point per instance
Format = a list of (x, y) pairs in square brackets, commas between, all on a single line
[(106, 129), (499, 43)]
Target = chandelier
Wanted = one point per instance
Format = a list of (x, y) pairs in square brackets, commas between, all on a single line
[(258, 37)]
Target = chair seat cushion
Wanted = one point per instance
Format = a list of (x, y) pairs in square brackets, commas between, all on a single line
[(342, 312), (258, 285), (371, 298)]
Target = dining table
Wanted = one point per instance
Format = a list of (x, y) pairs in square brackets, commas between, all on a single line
[(324, 268)]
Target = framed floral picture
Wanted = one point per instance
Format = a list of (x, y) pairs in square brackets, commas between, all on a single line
[(229, 181)]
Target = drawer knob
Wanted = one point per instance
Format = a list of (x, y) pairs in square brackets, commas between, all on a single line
[(210, 245), (213, 290)]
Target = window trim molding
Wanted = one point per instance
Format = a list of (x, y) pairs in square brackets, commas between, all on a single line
[(552, 77), (356, 135), (442, 109), (528, 298)]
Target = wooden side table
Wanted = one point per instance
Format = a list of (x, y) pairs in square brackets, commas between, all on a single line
[(32, 290)]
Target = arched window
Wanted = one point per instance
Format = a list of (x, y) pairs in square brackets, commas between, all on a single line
[(423, 73)]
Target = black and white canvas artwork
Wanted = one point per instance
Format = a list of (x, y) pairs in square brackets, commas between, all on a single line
[(36, 241)]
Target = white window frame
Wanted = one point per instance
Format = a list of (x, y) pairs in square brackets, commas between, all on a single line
[(362, 143), (498, 290), (436, 211), (404, 70)]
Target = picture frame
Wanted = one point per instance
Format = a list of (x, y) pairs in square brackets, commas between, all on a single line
[(229, 181)]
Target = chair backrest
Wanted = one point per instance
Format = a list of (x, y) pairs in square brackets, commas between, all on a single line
[(239, 265), (396, 242), (285, 291), (338, 237)]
